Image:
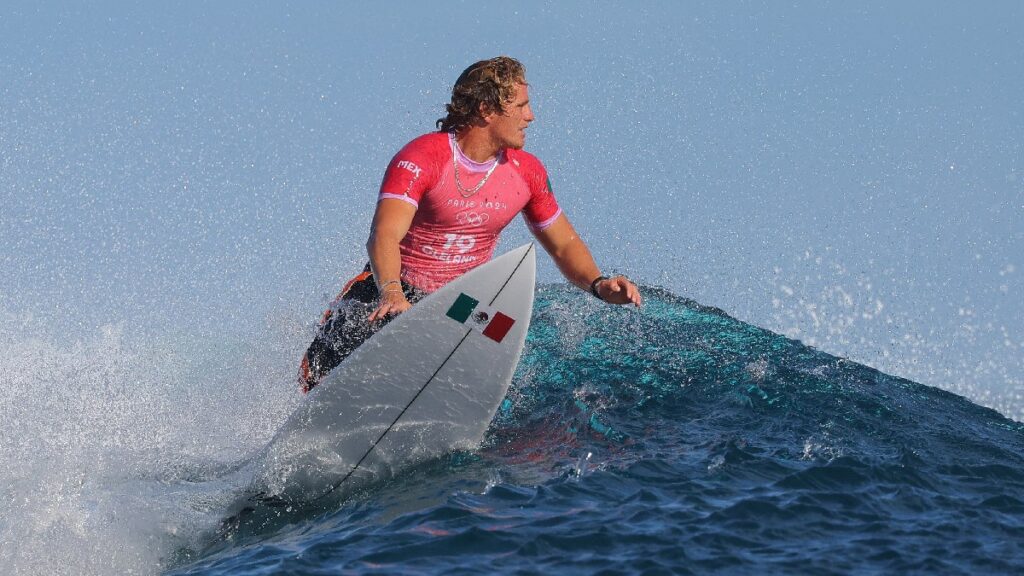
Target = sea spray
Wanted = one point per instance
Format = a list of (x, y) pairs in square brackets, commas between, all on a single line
[(109, 445)]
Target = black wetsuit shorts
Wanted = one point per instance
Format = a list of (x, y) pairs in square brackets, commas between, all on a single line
[(344, 327)]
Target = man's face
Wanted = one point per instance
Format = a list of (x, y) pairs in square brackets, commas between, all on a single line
[(509, 128)]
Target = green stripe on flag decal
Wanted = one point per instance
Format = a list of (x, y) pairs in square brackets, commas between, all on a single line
[(462, 308)]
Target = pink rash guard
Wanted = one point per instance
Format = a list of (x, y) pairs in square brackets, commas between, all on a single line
[(455, 231)]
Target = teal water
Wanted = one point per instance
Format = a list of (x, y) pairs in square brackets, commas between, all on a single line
[(675, 439)]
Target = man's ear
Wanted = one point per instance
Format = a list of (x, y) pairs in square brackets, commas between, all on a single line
[(485, 112)]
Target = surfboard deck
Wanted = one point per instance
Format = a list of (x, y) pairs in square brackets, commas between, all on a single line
[(427, 383)]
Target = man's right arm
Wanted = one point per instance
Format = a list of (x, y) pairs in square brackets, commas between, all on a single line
[(391, 222)]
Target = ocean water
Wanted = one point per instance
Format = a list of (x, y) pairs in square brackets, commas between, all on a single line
[(183, 188), (677, 439), (670, 439)]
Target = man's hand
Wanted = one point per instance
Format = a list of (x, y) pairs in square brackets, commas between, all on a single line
[(392, 303), (619, 290)]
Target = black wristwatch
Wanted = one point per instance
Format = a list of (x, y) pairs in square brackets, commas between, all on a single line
[(593, 286)]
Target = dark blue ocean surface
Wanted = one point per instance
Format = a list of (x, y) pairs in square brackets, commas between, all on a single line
[(675, 439)]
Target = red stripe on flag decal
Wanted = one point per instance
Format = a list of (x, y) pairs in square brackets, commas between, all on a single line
[(498, 327)]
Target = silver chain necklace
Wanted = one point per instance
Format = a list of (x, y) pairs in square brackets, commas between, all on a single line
[(455, 163)]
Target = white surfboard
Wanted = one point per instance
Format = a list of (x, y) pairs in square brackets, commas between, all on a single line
[(427, 383)]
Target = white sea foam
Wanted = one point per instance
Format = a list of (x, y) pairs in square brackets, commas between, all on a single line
[(110, 447), (953, 347)]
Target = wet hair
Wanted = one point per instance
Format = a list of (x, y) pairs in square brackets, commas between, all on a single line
[(489, 82)]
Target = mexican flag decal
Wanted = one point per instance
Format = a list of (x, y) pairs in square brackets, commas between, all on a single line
[(468, 310)]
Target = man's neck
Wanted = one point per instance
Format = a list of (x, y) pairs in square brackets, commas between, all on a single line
[(477, 145)]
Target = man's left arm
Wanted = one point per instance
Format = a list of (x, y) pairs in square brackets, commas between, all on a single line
[(573, 258)]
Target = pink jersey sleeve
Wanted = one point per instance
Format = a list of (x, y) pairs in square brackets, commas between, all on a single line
[(542, 209), (415, 169)]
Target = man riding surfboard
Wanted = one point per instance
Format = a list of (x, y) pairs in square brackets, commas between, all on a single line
[(445, 198)]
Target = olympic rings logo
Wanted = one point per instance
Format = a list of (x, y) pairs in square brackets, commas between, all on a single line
[(472, 218)]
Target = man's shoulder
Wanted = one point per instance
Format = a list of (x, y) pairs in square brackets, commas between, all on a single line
[(430, 143), (525, 162), (417, 165)]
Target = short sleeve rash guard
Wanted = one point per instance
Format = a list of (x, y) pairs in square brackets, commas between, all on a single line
[(456, 226)]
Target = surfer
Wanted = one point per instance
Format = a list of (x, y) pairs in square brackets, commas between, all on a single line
[(445, 198)]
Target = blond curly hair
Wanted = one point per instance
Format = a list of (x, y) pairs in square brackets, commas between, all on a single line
[(489, 82)]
